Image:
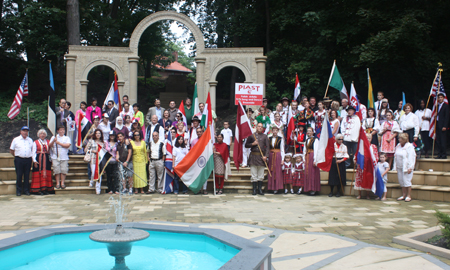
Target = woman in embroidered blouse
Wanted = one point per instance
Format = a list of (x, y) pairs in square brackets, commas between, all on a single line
[(93, 110), (337, 177), (306, 116), (371, 125), (405, 160), (41, 178), (92, 147), (264, 119), (389, 130), (278, 123), (319, 116), (334, 122), (140, 159), (275, 162), (384, 108)]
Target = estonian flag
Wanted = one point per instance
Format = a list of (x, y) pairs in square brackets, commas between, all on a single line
[(51, 118)]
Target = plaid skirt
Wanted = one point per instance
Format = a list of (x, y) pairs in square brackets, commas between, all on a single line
[(298, 178), (287, 178)]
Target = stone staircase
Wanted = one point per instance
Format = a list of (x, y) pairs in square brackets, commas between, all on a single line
[(427, 185)]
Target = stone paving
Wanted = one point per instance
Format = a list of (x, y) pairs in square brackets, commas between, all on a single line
[(276, 220)]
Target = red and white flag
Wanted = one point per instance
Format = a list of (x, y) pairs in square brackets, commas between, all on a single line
[(243, 131), (354, 102), (181, 110), (290, 125), (437, 88), (17, 103), (298, 88)]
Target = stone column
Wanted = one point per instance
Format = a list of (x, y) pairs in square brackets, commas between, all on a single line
[(84, 85), (120, 85), (261, 71), (201, 79), (133, 79), (212, 90), (70, 81)]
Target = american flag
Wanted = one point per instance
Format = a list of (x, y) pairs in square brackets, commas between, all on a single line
[(435, 90), (17, 103)]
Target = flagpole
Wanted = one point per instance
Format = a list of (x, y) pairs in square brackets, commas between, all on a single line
[(435, 118), (353, 179), (328, 85), (339, 173), (429, 96), (214, 181)]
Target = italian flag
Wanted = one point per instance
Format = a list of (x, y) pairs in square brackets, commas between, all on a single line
[(336, 81), (81, 125), (196, 167)]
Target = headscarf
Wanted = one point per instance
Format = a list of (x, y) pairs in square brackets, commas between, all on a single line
[(119, 127)]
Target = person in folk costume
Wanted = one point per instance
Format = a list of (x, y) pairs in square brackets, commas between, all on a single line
[(298, 173), (259, 144), (359, 178), (319, 116), (371, 125), (279, 110), (334, 122), (389, 130), (350, 127), (276, 157), (381, 112), (287, 173), (138, 115), (337, 177), (246, 151), (277, 122), (221, 163), (306, 116), (41, 178), (312, 172), (263, 119), (298, 135)]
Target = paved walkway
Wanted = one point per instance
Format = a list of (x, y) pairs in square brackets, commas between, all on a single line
[(293, 225)]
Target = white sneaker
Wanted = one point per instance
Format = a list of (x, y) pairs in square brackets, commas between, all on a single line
[(292, 191), (299, 191), (285, 191), (91, 183), (275, 191)]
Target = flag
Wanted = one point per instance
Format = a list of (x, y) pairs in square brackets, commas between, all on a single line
[(102, 157), (354, 102), (196, 167), (168, 163), (51, 117), (207, 121), (181, 110), (378, 185), (435, 90), (290, 125), (116, 93), (195, 101), (336, 81), (298, 88), (364, 160), (326, 151), (110, 96), (243, 130), (17, 103), (404, 100), (81, 125), (370, 100)]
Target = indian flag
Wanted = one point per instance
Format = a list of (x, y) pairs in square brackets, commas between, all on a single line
[(336, 81), (196, 167), (81, 125)]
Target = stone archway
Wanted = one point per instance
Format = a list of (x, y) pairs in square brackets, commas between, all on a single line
[(81, 59)]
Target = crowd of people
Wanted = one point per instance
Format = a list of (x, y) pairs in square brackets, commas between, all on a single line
[(137, 144)]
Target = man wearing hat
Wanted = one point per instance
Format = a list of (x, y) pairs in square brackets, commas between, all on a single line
[(193, 137), (350, 126), (285, 103), (266, 104), (21, 148)]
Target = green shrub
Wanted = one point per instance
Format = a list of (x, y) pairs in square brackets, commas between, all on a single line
[(38, 112), (444, 220)]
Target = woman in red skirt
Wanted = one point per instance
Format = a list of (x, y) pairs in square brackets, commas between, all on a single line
[(298, 173), (287, 173), (41, 179)]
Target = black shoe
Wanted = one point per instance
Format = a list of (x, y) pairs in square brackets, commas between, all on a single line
[(260, 192), (331, 194), (27, 193), (338, 194), (254, 188), (18, 193)]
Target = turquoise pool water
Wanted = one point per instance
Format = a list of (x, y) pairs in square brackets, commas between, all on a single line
[(162, 250)]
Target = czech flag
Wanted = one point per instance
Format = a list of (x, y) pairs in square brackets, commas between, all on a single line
[(325, 153)]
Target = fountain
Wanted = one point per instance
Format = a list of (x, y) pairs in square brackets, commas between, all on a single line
[(119, 241)]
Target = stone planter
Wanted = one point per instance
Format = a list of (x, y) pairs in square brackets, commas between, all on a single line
[(417, 240)]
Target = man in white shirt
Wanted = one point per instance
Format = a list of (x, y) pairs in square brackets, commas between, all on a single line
[(343, 109), (59, 146), (154, 127), (227, 134), (350, 127), (424, 115), (157, 156), (21, 148)]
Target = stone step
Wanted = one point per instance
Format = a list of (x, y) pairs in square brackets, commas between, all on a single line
[(78, 190)]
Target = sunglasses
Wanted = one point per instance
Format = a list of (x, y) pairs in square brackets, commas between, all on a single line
[(136, 135)]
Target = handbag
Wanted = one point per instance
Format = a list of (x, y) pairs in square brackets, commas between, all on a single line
[(87, 156)]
